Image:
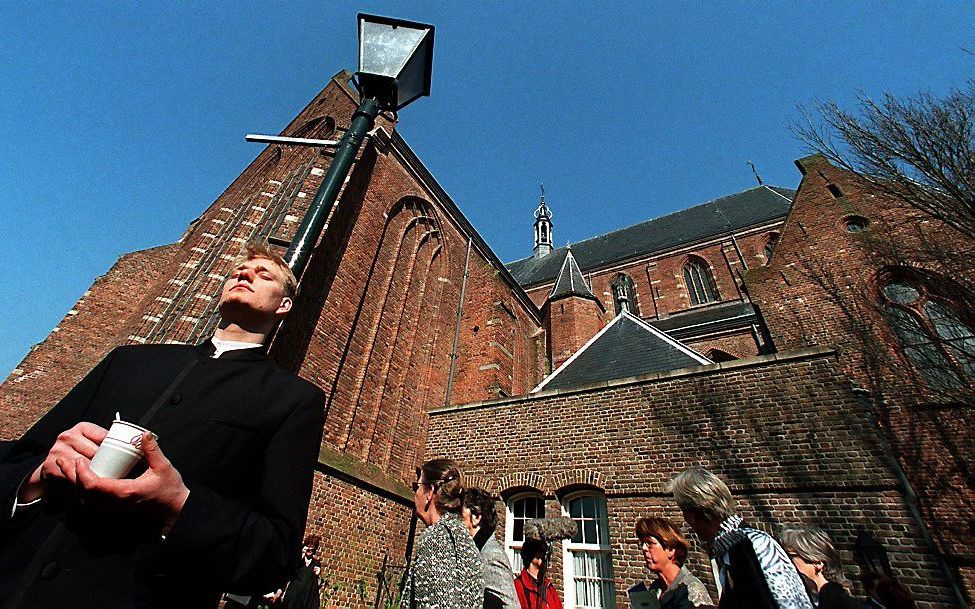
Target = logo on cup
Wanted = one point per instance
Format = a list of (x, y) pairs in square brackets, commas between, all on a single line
[(136, 441)]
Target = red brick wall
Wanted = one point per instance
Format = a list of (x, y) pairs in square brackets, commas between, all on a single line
[(96, 324), (739, 344), (659, 284), (821, 289), (570, 323), (786, 431), (665, 273), (359, 530)]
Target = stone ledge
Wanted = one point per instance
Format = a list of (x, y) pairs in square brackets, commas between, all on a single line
[(354, 471), (750, 362)]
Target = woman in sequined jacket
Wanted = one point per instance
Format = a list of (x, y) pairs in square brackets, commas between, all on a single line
[(754, 571), (446, 568), (665, 551)]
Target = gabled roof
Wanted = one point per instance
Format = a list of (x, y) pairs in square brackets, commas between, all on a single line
[(627, 346), (752, 207), (570, 281)]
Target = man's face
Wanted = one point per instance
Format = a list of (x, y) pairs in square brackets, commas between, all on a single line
[(255, 288)]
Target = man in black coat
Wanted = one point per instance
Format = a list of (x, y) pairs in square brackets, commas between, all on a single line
[(221, 501)]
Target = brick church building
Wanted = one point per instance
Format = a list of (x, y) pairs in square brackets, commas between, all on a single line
[(814, 347)]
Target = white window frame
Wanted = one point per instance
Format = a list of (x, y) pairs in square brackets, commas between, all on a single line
[(512, 547), (602, 547)]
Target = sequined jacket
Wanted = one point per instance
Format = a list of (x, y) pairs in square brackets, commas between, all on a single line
[(446, 569), (686, 591)]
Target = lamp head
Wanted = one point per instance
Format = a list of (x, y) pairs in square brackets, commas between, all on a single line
[(395, 60)]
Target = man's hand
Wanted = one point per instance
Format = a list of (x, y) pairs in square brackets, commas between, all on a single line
[(76, 444), (160, 489)]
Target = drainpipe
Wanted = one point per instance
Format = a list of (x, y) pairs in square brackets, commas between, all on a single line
[(653, 295), (741, 257), (460, 314)]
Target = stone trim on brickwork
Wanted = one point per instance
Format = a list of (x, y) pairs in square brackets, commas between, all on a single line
[(511, 484), (564, 483), (482, 482), (750, 362)]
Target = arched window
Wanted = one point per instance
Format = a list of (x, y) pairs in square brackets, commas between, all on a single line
[(770, 243), (700, 284), (624, 290), (520, 508), (930, 330), (587, 558)]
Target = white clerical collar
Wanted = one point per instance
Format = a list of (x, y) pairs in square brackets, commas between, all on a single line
[(222, 346)]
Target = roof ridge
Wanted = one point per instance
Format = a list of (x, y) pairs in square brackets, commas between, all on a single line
[(777, 192), (667, 215), (666, 337), (575, 355)]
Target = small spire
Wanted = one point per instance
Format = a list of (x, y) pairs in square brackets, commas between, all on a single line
[(571, 281), (543, 227), (543, 211)]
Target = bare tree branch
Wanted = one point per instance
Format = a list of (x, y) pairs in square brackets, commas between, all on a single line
[(920, 150)]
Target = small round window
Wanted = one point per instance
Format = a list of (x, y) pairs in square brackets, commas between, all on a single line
[(901, 293), (856, 224)]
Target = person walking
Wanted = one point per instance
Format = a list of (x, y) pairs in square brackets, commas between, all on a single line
[(754, 571), (446, 569)]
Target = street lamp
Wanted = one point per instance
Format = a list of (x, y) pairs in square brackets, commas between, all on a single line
[(395, 67)]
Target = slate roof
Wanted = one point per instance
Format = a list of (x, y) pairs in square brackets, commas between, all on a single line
[(626, 347), (748, 208), (709, 319), (570, 281)]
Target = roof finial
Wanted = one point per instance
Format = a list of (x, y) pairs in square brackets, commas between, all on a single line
[(757, 177)]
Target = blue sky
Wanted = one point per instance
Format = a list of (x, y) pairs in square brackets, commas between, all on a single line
[(121, 122)]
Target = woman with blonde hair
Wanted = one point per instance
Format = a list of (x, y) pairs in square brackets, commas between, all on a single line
[(665, 550), (446, 570)]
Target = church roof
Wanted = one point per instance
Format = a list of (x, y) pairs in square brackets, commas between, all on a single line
[(570, 281), (627, 346), (748, 208)]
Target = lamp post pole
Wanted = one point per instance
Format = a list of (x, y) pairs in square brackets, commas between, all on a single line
[(313, 223)]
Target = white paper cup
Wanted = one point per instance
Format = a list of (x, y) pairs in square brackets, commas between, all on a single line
[(119, 451)]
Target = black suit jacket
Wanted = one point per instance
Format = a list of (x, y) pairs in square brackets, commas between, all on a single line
[(243, 433)]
